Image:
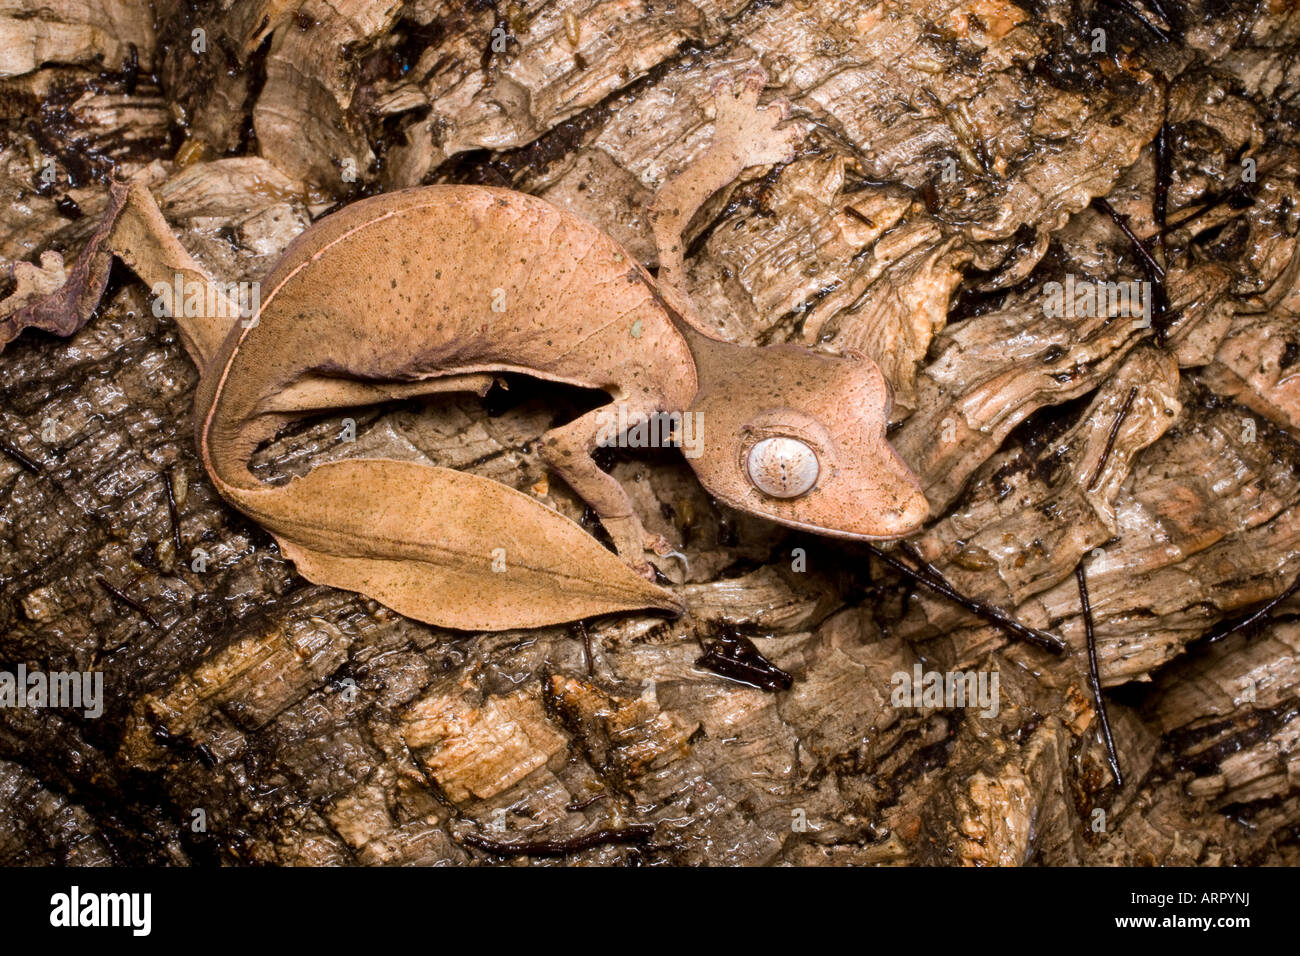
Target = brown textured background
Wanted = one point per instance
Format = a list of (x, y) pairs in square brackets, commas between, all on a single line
[(312, 726)]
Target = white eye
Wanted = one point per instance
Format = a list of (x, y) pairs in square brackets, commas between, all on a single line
[(782, 467)]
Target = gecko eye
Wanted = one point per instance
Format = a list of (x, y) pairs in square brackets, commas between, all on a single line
[(782, 467)]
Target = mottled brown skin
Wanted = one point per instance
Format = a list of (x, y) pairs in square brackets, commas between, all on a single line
[(576, 309), (440, 288)]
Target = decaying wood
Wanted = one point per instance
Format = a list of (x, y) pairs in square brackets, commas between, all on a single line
[(313, 726)]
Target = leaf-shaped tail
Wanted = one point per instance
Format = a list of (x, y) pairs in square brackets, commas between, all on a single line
[(444, 547)]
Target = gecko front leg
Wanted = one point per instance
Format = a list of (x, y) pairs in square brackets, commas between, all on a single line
[(745, 134), (568, 451)]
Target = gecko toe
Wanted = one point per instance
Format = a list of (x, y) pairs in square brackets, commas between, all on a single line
[(782, 106), (751, 84)]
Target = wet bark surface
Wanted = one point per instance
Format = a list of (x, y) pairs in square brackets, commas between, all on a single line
[(252, 717)]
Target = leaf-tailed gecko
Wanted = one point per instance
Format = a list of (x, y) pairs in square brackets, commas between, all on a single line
[(393, 297)]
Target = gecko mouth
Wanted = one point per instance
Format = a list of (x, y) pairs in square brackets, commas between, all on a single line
[(895, 524), (890, 535)]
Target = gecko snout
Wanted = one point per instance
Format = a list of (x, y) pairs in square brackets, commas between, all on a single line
[(907, 516), (885, 498)]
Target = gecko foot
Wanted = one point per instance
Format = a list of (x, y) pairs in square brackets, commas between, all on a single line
[(658, 544), (661, 547), (631, 541), (750, 130)]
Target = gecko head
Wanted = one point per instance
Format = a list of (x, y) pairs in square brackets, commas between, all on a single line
[(799, 438)]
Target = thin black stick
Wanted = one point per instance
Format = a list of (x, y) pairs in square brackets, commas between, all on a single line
[(1160, 201), (37, 469), (857, 215), (1149, 264), (924, 566), (172, 511), (632, 833), (939, 584), (1251, 620), (1094, 678), (1110, 439), (1238, 197), (584, 804), (1163, 35), (129, 601), (18, 456), (1154, 271), (34, 468), (1156, 5)]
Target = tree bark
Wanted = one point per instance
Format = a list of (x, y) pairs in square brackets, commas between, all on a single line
[(252, 717)]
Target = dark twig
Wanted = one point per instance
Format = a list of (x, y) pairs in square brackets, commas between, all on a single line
[(129, 601), (859, 216), (1110, 439), (924, 566), (173, 512), (1094, 678), (1149, 264), (1251, 620), (584, 804), (1160, 33), (1238, 197), (1160, 201), (18, 456), (939, 584), (1154, 271), (1159, 8), (634, 833)]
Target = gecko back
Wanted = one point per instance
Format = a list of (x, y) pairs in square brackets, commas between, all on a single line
[(445, 280), (430, 290)]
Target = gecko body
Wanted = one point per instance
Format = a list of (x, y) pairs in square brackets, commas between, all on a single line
[(441, 288)]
